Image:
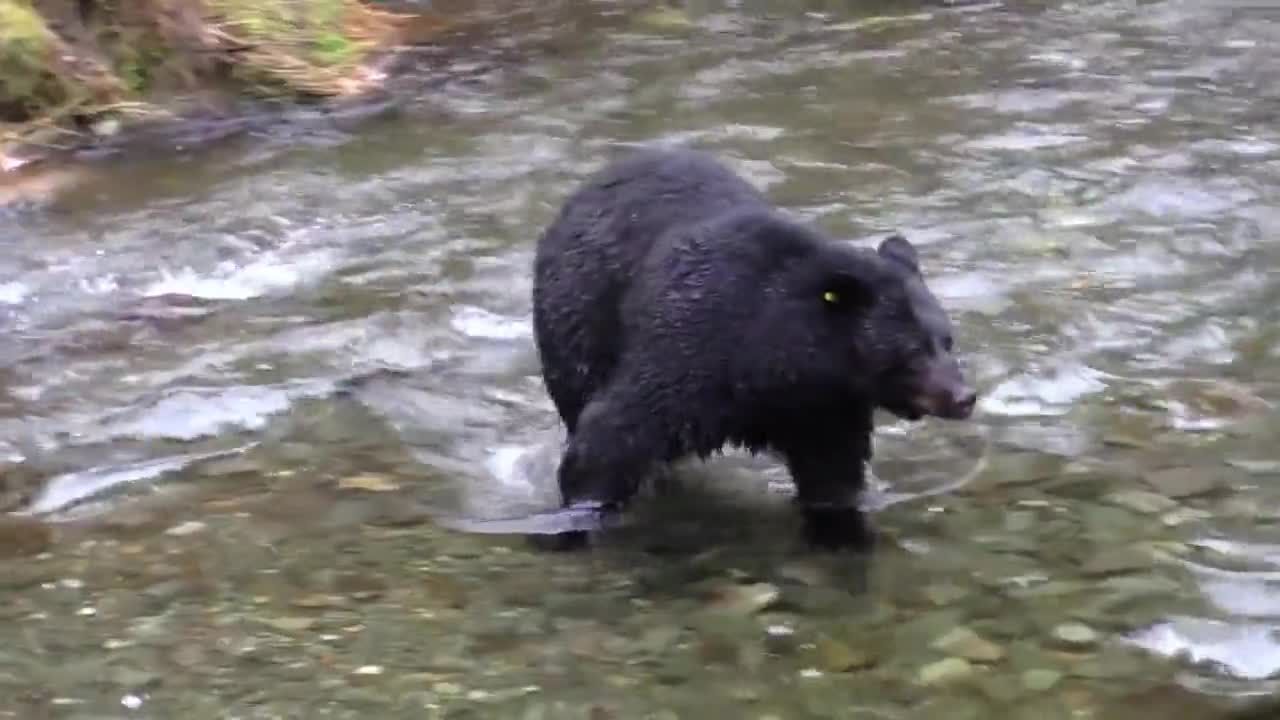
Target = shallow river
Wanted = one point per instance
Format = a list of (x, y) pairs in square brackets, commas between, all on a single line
[(249, 393)]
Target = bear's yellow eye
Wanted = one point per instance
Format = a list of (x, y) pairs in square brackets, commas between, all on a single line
[(831, 297)]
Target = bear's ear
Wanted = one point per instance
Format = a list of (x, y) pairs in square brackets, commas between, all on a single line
[(843, 291), (896, 248)]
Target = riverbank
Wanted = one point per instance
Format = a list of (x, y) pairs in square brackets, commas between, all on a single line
[(76, 73)]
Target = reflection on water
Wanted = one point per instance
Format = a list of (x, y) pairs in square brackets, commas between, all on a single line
[(251, 393)]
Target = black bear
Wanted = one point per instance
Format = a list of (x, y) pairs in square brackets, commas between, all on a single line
[(676, 311)]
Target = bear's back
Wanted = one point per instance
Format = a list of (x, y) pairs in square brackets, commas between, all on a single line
[(612, 221), (587, 261)]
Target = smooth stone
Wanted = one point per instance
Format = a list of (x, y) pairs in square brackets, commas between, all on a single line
[(966, 643), (1019, 521), (1075, 635), (746, 599), (1184, 515), (289, 624), (1141, 501), (24, 536), (369, 482), (1183, 482), (1018, 468), (1000, 687), (944, 594), (1115, 562), (837, 656), (944, 671), (1040, 679), (1052, 588), (1257, 467), (319, 600), (804, 574)]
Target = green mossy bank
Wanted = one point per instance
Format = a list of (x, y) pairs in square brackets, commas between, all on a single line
[(71, 67)]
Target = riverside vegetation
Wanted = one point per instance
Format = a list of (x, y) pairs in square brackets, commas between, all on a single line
[(69, 68)]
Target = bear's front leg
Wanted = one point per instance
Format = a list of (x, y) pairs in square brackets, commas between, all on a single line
[(829, 478), (604, 462)]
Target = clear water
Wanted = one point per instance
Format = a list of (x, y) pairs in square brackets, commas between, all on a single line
[(243, 387)]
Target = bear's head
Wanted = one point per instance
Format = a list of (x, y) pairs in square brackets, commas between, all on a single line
[(872, 325)]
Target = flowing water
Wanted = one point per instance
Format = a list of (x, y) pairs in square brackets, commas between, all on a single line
[(249, 393)]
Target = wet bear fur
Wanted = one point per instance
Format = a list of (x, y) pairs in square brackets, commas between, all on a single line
[(676, 312)]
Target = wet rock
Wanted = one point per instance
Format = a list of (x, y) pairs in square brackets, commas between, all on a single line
[(317, 601), (1184, 515), (1018, 468), (1141, 501), (714, 647), (1167, 701), (944, 672), (837, 656), (1002, 688), (1217, 398), (366, 674), (805, 574), (744, 693), (1256, 467), (943, 594), (1040, 679), (922, 629), (1019, 521), (1052, 588), (1240, 507), (965, 643), (191, 527), (22, 536), (1120, 590), (360, 587), (1116, 562), (369, 482), (779, 639), (1183, 482), (1110, 526), (1075, 636), (657, 639), (745, 599), (188, 655), (1111, 663), (446, 591), (1122, 439), (134, 677), (289, 624), (665, 19), (222, 467)]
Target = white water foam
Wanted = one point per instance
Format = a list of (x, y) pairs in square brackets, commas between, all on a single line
[(1050, 393), (12, 293), (1245, 650), (480, 323), (190, 414), (62, 492), (234, 281)]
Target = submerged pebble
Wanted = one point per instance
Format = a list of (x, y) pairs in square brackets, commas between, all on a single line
[(745, 599), (837, 656), (944, 671), (1040, 679), (1075, 636), (964, 642), (1184, 482)]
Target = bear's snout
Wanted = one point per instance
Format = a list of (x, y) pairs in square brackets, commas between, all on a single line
[(945, 394), (959, 403)]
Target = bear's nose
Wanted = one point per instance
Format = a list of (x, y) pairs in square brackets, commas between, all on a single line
[(962, 402)]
